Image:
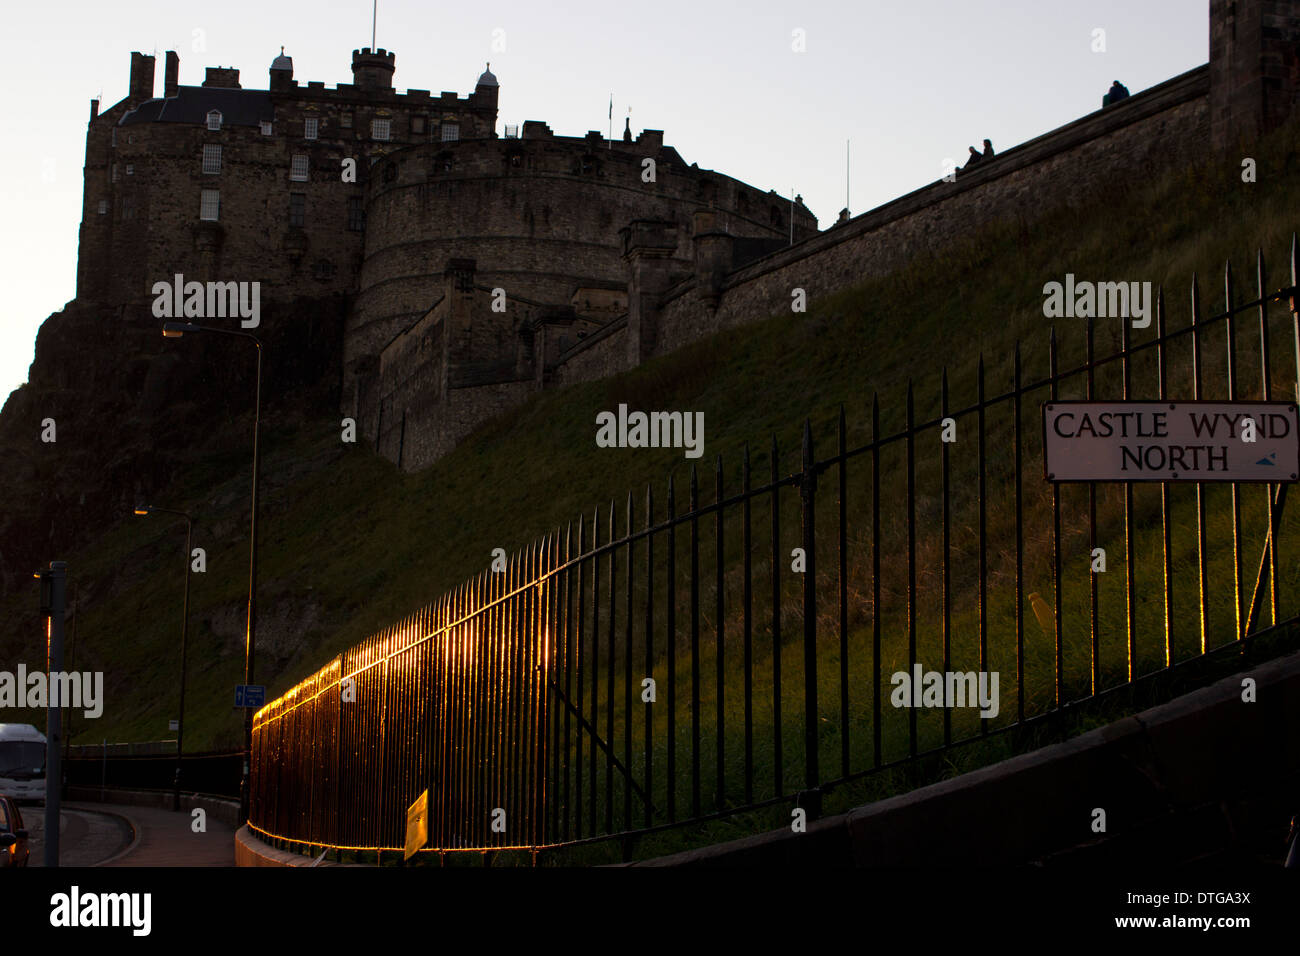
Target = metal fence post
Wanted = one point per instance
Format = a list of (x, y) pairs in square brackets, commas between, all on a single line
[(807, 494)]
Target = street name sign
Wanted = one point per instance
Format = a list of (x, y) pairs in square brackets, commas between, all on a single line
[(250, 695), (1171, 441)]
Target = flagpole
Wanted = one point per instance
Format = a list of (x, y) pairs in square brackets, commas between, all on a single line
[(374, 15)]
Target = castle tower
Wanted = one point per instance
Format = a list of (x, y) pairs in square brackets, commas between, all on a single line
[(373, 71), (487, 86), (1254, 68), (485, 94), (281, 73)]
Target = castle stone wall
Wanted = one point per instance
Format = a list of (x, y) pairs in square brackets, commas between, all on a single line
[(1159, 129)]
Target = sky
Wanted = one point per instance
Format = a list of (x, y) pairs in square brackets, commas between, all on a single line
[(907, 85)]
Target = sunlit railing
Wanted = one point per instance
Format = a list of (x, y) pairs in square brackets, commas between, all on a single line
[(655, 667)]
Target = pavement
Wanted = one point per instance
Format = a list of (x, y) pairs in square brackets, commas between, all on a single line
[(131, 836), (86, 837)]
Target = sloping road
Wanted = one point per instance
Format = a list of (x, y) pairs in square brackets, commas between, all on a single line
[(90, 835)]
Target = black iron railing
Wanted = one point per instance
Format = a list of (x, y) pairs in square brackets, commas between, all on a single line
[(648, 667)]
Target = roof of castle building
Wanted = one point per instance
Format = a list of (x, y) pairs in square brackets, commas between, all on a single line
[(488, 78), (282, 62), (191, 104)]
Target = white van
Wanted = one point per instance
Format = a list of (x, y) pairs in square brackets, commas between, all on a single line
[(22, 762)]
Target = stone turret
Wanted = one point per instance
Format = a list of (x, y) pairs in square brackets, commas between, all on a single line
[(373, 71)]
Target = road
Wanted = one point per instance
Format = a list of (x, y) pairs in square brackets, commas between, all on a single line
[(97, 835)]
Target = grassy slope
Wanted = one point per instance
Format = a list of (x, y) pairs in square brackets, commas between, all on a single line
[(350, 544)]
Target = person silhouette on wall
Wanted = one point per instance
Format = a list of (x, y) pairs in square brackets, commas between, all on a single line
[(988, 149), (1117, 92), (974, 158)]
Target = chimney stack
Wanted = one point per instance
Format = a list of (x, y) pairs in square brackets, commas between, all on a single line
[(141, 86), (171, 74), (222, 77)]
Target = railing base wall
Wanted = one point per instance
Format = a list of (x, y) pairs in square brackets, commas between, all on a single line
[(1203, 777)]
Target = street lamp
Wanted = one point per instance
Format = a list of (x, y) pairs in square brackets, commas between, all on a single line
[(185, 626), (174, 330)]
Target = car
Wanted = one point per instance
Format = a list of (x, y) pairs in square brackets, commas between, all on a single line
[(13, 838)]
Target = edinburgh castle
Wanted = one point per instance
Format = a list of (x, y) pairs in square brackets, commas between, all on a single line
[(424, 268)]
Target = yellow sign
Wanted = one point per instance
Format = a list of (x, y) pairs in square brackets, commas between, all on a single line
[(417, 825)]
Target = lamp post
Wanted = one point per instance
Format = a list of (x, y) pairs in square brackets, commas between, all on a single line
[(173, 330), (185, 627)]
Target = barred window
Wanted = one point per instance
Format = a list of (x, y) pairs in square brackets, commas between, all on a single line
[(114, 172), (450, 132), (379, 129), (298, 168), (266, 128), (356, 214), (103, 207), (210, 205), (297, 209), (130, 169), (310, 127), (214, 119), (211, 158)]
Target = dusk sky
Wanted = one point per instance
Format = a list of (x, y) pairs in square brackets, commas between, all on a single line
[(910, 84)]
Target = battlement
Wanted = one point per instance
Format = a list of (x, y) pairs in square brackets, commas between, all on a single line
[(373, 71)]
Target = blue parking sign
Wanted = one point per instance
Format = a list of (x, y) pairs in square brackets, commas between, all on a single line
[(250, 695)]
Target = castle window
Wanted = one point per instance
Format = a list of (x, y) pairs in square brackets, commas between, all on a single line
[(130, 169), (310, 127), (450, 132), (323, 269), (379, 129), (345, 120), (210, 205), (211, 158), (214, 119), (114, 135), (114, 176), (128, 206), (356, 214), (417, 125), (103, 207), (266, 128), (298, 168), (297, 209)]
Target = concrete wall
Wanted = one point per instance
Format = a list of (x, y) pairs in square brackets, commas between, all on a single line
[(1206, 776)]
